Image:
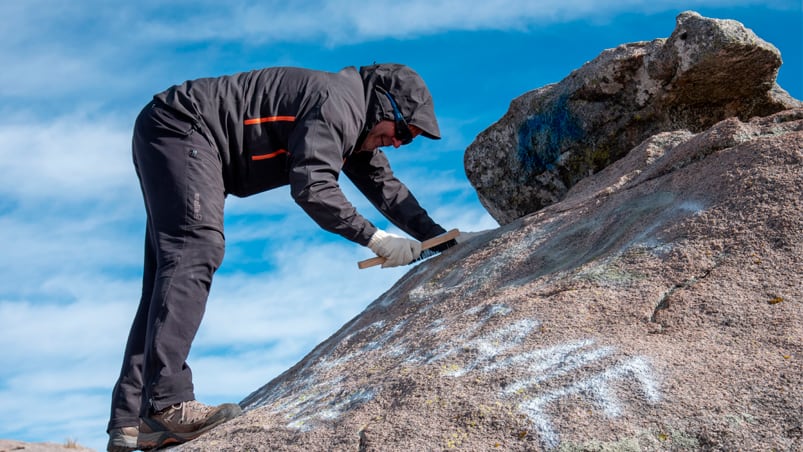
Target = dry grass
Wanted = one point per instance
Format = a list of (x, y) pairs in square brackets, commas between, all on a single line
[(70, 443)]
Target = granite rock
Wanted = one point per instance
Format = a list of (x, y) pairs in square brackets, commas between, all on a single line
[(708, 70), (658, 306)]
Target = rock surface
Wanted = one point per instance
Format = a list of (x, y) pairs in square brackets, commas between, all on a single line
[(658, 306), (708, 70), (7, 445)]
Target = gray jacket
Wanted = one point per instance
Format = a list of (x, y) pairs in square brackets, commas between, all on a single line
[(280, 126)]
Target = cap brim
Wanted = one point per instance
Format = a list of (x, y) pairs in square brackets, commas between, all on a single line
[(426, 133)]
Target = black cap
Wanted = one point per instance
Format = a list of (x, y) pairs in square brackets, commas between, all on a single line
[(408, 90)]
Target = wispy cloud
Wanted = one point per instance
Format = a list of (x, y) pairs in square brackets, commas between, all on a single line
[(67, 157), (352, 21), (56, 48)]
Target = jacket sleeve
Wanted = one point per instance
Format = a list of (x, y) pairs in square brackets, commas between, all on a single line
[(316, 149), (371, 174)]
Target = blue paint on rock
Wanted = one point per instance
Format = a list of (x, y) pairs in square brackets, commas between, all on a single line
[(541, 135)]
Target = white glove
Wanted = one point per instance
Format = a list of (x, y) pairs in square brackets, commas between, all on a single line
[(395, 249)]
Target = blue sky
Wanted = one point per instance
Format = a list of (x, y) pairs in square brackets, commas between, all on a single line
[(75, 74)]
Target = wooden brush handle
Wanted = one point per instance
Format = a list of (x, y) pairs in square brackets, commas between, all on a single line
[(425, 245)]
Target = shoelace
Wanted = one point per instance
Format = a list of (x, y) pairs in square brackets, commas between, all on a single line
[(183, 418), (182, 412), (185, 410)]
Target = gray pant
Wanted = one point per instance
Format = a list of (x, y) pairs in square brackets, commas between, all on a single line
[(182, 183)]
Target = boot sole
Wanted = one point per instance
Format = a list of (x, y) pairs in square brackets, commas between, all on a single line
[(118, 448), (123, 443)]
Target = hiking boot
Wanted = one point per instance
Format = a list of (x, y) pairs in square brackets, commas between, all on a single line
[(123, 439), (182, 422)]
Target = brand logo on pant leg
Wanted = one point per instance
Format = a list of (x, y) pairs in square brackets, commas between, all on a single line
[(196, 207)]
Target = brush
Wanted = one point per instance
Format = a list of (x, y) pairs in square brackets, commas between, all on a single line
[(426, 252)]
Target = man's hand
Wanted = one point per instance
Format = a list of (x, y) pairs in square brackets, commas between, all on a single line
[(395, 249)]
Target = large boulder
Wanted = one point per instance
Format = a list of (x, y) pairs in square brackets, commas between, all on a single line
[(658, 307), (551, 138)]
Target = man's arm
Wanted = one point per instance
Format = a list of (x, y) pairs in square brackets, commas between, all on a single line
[(371, 173), (315, 161)]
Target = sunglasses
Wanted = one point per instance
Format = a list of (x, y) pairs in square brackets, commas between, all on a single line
[(402, 130)]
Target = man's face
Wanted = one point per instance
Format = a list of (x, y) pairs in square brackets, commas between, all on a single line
[(383, 134)]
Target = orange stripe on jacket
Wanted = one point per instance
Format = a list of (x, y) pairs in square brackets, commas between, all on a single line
[(249, 122), (269, 156)]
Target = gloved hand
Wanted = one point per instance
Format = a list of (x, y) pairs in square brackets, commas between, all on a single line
[(397, 250)]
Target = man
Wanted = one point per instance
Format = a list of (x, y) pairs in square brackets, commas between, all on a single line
[(200, 141)]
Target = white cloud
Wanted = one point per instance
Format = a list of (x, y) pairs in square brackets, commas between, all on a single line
[(36, 333), (53, 49), (58, 363), (232, 377), (59, 417), (75, 157), (353, 21)]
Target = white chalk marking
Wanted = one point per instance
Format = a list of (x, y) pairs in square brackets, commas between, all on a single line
[(308, 399), (598, 389)]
